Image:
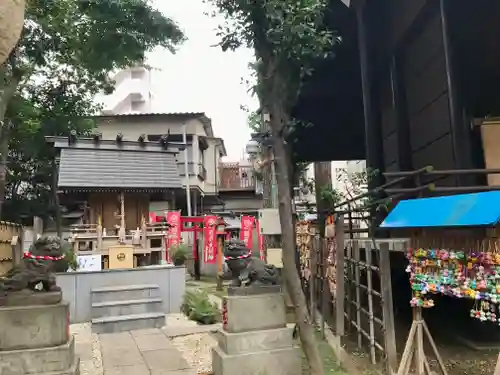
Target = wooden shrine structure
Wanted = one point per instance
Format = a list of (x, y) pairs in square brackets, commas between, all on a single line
[(115, 180), (454, 251)]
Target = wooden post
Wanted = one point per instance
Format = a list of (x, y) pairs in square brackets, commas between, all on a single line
[(17, 249), (340, 291), (414, 348), (121, 232), (369, 284), (144, 232), (219, 262), (387, 308), (99, 233), (354, 246)]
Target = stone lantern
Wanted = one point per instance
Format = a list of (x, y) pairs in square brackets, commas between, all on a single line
[(11, 25)]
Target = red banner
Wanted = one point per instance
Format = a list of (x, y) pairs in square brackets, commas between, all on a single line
[(260, 238), (246, 233), (209, 239), (173, 235)]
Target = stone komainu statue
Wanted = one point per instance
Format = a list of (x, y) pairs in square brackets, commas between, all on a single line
[(11, 25), (245, 269), (36, 269)]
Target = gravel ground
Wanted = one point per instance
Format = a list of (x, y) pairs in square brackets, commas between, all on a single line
[(88, 348), (197, 350)]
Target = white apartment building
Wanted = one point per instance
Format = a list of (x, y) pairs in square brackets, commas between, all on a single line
[(342, 175), (133, 93)]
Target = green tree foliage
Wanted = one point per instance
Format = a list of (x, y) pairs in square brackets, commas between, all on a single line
[(63, 59), (288, 37), (254, 121)]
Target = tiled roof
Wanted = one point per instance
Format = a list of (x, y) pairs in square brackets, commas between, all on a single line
[(173, 114), (207, 122), (120, 169)]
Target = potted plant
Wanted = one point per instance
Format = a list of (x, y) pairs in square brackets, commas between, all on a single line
[(178, 254)]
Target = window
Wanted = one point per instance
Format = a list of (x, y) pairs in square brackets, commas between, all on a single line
[(201, 157), (137, 74), (136, 106)]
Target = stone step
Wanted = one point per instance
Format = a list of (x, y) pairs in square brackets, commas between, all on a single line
[(128, 307), (125, 292), (73, 370), (38, 361), (123, 323)]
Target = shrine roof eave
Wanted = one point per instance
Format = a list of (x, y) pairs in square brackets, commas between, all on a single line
[(452, 211), (142, 190), (331, 99)]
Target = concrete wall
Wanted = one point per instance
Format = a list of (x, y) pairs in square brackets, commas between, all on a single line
[(76, 286)]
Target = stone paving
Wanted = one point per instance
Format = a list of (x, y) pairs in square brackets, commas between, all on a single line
[(182, 347), (145, 352)]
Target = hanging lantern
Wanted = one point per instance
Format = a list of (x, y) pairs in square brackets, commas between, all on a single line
[(11, 25)]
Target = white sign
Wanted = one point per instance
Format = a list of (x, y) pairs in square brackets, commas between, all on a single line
[(89, 262)]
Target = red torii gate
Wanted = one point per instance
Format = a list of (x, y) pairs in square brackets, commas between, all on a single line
[(194, 224)]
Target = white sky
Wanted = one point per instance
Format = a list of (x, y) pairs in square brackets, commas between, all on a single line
[(202, 78)]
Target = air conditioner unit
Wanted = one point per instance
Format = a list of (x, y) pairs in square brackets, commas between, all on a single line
[(270, 224)]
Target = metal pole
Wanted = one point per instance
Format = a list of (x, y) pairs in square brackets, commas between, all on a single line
[(186, 165)]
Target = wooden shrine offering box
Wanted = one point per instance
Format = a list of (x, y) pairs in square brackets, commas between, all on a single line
[(121, 256), (490, 137)]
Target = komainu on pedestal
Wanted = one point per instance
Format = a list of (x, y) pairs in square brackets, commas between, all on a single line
[(246, 270), (34, 321), (254, 338)]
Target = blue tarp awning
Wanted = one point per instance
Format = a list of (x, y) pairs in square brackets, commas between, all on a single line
[(462, 210)]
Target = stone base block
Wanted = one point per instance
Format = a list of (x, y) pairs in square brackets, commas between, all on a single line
[(253, 290), (73, 370), (254, 312), (272, 362), (27, 297), (35, 326), (249, 342), (38, 361)]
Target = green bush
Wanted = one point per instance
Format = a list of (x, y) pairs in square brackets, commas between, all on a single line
[(178, 254), (198, 307), (69, 260)]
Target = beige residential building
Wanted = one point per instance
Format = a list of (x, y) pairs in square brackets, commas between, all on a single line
[(204, 150)]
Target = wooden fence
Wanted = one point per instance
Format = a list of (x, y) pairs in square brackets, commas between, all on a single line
[(11, 235)]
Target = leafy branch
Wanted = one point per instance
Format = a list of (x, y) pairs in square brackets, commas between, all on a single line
[(289, 38)]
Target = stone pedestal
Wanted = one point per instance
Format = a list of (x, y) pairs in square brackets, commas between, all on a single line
[(254, 338), (35, 339)]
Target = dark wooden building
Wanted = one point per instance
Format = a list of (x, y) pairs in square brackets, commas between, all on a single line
[(407, 85)]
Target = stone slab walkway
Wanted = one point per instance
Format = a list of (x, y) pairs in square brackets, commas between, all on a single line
[(145, 352)]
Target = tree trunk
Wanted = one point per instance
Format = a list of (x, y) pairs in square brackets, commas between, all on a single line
[(304, 323), (6, 93), (11, 25), (4, 151), (322, 180)]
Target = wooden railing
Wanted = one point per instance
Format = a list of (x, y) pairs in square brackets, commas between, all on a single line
[(11, 235), (92, 238), (233, 176)]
